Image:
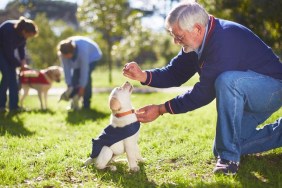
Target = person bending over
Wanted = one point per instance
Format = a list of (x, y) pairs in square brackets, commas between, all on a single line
[(13, 36), (235, 66), (79, 55)]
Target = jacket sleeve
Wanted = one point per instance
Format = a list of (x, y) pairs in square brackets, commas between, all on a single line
[(203, 92), (180, 69), (21, 50), (84, 69), (67, 70), (9, 51)]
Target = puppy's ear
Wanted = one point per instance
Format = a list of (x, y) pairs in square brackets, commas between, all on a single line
[(114, 104)]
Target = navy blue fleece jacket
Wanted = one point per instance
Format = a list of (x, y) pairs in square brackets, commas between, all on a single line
[(229, 47), (112, 135), (11, 40)]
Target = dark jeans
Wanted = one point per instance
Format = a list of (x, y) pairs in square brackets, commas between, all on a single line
[(244, 101), (8, 81), (88, 88)]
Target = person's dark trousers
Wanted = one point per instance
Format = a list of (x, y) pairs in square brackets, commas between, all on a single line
[(88, 88), (8, 81)]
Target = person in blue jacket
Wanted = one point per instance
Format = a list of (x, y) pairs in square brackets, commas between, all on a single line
[(13, 36), (79, 56), (235, 66)]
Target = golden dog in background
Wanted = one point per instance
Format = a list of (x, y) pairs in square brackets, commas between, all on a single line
[(39, 80)]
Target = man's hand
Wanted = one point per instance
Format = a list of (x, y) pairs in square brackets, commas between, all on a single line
[(23, 64), (150, 113), (134, 72)]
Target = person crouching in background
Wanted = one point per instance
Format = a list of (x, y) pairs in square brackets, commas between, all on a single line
[(78, 56)]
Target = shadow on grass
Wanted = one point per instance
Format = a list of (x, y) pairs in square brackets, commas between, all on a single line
[(127, 179), (39, 111), (265, 170), (258, 171), (12, 124), (80, 116)]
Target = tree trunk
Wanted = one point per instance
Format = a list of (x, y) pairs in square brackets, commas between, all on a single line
[(110, 61)]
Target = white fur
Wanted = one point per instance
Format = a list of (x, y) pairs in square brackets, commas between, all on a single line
[(122, 103), (52, 74)]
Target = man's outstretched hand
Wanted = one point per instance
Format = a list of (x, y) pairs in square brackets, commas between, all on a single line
[(150, 113), (133, 71)]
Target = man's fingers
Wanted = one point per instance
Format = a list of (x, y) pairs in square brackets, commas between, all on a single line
[(128, 76), (142, 119), (142, 115)]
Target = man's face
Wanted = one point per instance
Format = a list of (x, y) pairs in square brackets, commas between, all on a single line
[(27, 35), (188, 40), (68, 55)]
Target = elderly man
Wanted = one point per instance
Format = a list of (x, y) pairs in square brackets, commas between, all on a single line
[(235, 66), (79, 56)]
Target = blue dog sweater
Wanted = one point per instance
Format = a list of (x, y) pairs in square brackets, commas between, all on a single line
[(112, 135)]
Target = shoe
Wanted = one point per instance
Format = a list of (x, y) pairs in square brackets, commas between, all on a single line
[(17, 110), (226, 167), (86, 107), (88, 161)]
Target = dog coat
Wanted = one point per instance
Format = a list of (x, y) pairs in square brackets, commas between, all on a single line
[(112, 135), (33, 77)]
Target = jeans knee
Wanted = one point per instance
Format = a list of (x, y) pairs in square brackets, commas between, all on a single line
[(224, 80)]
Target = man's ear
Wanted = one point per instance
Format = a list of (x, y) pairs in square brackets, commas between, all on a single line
[(198, 29), (114, 104)]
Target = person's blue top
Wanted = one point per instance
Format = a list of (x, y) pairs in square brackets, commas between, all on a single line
[(87, 51), (229, 47), (112, 135), (10, 40)]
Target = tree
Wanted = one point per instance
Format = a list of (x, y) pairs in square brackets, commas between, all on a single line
[(46, 14), (113, 19), (42, 49)]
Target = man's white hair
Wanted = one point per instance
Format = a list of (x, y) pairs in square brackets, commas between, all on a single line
[(186, 15)]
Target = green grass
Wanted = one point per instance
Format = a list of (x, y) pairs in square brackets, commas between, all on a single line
[(46, 149), (100, 79)]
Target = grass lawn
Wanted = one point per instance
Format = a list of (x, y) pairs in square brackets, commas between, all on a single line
[(46, 149), (100, 79)]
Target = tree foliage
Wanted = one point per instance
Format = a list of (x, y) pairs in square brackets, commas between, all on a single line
[(125, 37), (117, 28), (42, 49), (113, 19)]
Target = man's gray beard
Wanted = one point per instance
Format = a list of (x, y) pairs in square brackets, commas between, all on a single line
[(187, 49)]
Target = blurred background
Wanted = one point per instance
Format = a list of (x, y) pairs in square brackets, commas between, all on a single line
[(128, 30)]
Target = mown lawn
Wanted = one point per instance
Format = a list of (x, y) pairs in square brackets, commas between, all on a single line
[(100, 78), (46, 149)]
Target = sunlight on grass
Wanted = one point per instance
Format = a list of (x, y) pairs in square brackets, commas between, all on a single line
[(100, 79), (46, 148)]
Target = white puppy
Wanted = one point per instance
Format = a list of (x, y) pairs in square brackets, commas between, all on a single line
[(39, 80), (121, 136)]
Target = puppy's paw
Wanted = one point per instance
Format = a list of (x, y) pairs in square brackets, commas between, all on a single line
[(112, 168), (88, 161), (141, 160), (135, 169)]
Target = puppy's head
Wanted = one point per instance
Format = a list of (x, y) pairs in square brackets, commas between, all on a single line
[(54, 73), (119, 99)]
